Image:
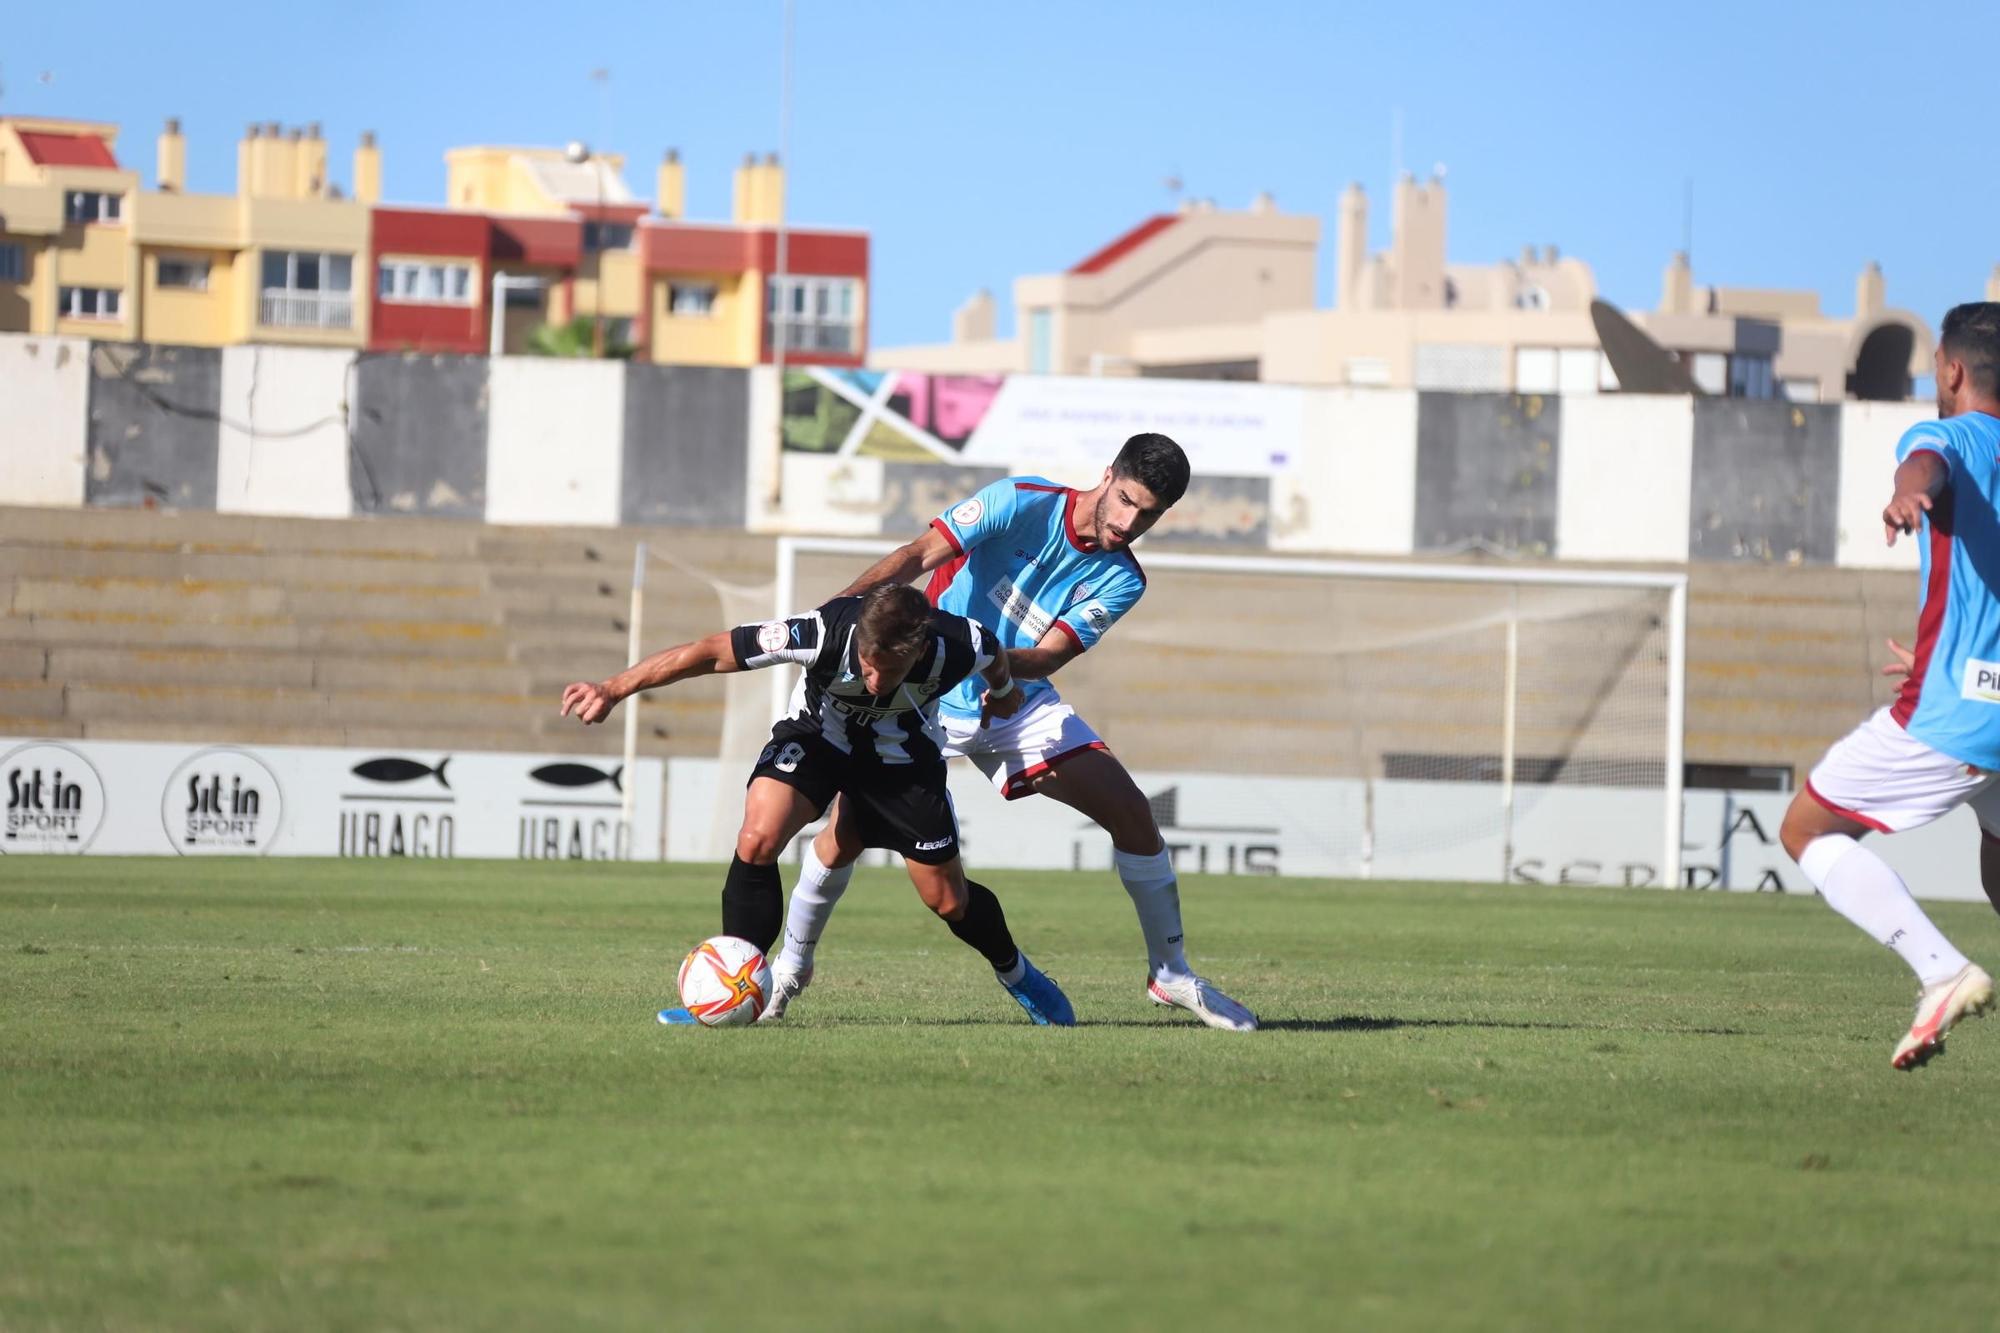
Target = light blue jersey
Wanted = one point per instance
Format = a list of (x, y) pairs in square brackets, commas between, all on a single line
[(1951, 701), (1022, 571)]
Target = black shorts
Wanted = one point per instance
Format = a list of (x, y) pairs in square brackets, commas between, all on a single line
[(903, 807)]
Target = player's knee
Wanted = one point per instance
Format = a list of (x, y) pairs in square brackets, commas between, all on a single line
[(950, 905), (758, 846), (1800, 826), (1130, 824)]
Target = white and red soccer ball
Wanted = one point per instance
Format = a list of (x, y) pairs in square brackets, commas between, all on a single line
[(725, 982)]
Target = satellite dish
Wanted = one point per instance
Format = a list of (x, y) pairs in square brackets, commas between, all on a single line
[(1641, 365)]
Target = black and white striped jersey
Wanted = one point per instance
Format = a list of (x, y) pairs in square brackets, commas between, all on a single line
[(831, 700)]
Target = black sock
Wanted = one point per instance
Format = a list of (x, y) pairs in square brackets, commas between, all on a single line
[(753, 903), (984, 927)]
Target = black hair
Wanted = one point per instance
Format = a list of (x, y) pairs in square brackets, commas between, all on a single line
[(1157, 463), (895, 618), (1972, 335)]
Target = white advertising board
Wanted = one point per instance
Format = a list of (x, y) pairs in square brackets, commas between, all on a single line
[(135, 798)]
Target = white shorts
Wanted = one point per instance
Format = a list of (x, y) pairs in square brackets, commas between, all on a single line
[(1013, 751), (1882, 776)]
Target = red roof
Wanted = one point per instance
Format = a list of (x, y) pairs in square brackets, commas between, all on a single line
[(49, 149), (1127, 243)]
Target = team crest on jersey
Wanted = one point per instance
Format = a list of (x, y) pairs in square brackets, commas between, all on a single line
[(968, 513), (772, 635)]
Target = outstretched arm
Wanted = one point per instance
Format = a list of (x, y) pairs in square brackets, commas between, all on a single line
[(594, 702), (1920, 479), (905, 562)]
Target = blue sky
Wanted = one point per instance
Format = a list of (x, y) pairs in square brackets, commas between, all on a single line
[(978, 142)]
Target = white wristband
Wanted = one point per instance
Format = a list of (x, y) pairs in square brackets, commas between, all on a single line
[(1000, 691)]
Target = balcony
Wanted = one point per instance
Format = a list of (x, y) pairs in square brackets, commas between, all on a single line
[(283, 309), (805, 335)]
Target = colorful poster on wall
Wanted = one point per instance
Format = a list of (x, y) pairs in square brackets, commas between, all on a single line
[(1038, 422)]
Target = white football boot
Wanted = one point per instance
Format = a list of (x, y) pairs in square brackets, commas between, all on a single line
[(1967, 991), (1204, 1001), (785, 987)]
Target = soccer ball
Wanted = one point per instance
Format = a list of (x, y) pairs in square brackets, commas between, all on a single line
[(725, 982)]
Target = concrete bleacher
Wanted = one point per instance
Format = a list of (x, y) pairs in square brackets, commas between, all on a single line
[(137, 625), (443, 635)]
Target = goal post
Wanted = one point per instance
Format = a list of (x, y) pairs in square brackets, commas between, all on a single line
[(1414, 719)]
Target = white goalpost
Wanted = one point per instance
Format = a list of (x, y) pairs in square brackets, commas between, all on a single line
[(1400, 720)]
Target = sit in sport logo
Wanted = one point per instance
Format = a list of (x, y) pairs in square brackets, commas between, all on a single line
[(55, 800), (222, 802)]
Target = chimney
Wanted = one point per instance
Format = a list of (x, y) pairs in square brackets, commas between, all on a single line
[(275, 153), (768, 194), (673, 186), (1350, 248), (1993, 284), (368, 169), (744, 204), (1263, 204), (974, 321), (1869, 293), (310, 170), (1677, 286), (172, 171), (247, 162)]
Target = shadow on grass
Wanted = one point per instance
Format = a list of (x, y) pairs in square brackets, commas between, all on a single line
[(1348, 1023)]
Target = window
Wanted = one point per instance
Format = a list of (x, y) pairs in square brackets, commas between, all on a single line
[(425, 281), (617, 333), (691, 298), (13, 264), (1751, 377), (523, 295), (91, 206), (189, 275), (307, 289), (814, 314), (1041, 341), (607, 236), (88, 302)]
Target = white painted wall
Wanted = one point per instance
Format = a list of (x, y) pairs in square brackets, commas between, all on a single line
[(1868, 435), (1624, 477), (555, 441), (1350, 482), (44, 419), (283, 443)]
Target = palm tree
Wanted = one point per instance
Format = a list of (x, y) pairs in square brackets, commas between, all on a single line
[(573, 338)]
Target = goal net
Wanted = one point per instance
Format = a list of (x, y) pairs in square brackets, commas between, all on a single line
[(1394, 720)]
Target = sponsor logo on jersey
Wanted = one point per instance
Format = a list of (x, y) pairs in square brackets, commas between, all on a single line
[(773, 635), (1017, 606), (1982, 681), (1095, 614), (968, 513)]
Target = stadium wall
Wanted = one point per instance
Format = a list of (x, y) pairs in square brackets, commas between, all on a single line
[(1602, 478)]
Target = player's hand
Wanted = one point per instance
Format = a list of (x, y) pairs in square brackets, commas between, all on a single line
[(591, 703), (993, 710), (1905, 663), (1904, 512)]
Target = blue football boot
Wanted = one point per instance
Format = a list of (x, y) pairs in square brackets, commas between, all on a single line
[(1041, 997)]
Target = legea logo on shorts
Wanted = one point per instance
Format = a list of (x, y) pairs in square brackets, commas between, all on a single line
[(1982, 681)]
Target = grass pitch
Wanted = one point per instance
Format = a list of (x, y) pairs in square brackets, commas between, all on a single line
[(310, 1095)]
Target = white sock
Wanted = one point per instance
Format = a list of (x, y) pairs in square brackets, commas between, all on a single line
[(1156, 896), (1861, 887), (813, 898), (1014, 973)]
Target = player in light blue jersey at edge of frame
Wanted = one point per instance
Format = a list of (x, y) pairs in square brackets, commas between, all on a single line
[(1938, 745), (1048, 570)]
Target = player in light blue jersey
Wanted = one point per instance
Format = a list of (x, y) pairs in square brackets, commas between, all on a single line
[(1048, 570), (1938, 745)]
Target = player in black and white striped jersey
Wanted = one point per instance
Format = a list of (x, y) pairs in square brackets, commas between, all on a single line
[(863, 726)]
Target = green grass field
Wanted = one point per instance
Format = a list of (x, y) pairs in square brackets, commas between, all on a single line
[(309, 1095)]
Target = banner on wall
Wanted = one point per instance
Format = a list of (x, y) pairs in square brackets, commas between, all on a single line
[(1350, 829), (1046, 423), (132, 798)]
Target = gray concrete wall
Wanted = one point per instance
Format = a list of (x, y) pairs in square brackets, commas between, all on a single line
[(686, 441), (418, 435), (154, 429), (1766, 482), (1486, 472)]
